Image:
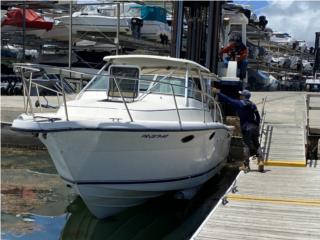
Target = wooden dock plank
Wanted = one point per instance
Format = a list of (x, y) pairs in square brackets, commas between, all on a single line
[(281, 203), (295, 183), (269, 220), (284, 128)]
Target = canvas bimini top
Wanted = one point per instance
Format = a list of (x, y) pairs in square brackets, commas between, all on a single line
[(152, 61)]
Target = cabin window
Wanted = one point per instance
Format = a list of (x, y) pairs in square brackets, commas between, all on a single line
[(164, 86), (127, 79)]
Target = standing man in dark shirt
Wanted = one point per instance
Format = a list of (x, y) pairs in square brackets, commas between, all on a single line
[(249, 123)]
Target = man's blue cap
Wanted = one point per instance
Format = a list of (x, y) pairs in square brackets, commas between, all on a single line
[(246, 93)]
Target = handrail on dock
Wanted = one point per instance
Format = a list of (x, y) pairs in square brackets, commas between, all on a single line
[(309, 96), (262, 121)]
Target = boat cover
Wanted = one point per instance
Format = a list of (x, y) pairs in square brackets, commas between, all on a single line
[(33, 19), (152, 13)]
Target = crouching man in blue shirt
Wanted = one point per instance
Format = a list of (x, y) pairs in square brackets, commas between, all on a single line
[(249, 123)]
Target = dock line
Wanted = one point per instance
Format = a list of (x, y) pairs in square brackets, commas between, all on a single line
[(311, 202)]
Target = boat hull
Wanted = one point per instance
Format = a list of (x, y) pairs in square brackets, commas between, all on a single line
[(114, 170), (96, 23)]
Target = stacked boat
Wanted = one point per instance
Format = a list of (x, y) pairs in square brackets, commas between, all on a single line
[(104, 19), (99, 19)]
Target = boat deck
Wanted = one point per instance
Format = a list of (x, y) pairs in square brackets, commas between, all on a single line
[(284, 201)]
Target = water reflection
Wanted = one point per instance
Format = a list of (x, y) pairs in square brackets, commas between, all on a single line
[(33, 197), (153, 220), (160, 218), (36, 204), (35, 227)]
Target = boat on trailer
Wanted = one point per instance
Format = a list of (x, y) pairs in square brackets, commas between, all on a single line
[(143, 126)]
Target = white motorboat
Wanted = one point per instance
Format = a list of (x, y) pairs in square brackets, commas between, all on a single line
[(155, 24), (104, 19), (148, 127), (88, 22), (281, 38)]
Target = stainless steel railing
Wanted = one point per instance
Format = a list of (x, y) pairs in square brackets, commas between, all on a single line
[(263, 132), (262, 121), (308, 107), (206, 99)]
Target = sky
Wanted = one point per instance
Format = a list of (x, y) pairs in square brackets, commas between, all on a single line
[(301, 19)]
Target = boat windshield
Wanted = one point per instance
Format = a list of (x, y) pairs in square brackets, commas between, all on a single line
[(178, 85), (154, 83), (100, 83), (134, 12)]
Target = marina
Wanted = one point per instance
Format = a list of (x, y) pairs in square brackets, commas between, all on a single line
[(158, 120), (255, 192)]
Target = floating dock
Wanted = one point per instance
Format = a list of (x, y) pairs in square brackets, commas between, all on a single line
[(284, 201)]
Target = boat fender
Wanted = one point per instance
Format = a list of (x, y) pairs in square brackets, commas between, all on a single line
[(187, 194)]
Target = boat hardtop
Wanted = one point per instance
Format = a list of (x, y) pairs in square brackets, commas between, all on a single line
[(154, 61)]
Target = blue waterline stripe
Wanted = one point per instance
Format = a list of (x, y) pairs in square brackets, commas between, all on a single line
[(140, 181)]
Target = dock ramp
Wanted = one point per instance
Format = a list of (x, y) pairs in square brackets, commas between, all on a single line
[(283, 136), (284, 145)]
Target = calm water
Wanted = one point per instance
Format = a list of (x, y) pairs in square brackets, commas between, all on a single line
[(37, 205)]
